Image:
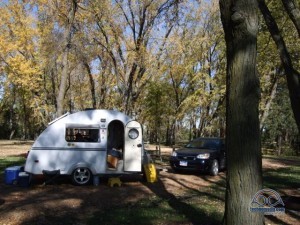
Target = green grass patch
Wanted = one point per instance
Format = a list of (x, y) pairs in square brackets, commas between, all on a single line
[(282, 178), (287, 176), (173, 210), (11, 161)]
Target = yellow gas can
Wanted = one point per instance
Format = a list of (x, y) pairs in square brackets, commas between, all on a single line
[(150, 172)]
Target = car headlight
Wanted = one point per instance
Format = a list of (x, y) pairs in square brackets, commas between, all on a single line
[(174, 154), (203, 156)]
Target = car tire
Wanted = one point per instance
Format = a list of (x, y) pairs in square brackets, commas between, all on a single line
[(175, 170), (214, 168), (81, 176)]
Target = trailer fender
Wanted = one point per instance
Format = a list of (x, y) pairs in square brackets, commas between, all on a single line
[(82, 164)]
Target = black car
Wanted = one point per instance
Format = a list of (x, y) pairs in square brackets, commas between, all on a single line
[(201, 154)]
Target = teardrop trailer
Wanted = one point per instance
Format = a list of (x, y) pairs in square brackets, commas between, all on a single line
[(89, 143)]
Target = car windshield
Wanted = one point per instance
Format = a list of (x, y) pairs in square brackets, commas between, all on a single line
[(204, 143)]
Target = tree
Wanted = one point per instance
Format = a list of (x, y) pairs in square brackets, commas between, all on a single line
[(294, 13), (158, 110), (280, 125), (192, 64), (292, 74), (68, 16), (244, 168), (19, 67), (140, 18)]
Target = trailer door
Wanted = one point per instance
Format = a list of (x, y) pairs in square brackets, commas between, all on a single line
[(133, 147)]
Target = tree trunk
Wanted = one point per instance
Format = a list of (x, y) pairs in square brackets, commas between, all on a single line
[(292, 75), (167, 141), (63, 85), (266, 111), (279, 144), (244, 166), (92, 84), (12, 134), (294, 13), (67, 44), (12, 116)]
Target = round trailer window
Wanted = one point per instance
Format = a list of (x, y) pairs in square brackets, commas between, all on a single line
[(133, 133)]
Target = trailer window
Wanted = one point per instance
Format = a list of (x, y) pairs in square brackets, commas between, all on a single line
[(82, 134)]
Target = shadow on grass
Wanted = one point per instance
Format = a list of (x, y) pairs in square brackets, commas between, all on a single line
[(181, 205), (104, 205), (276, 220), (135, 202), (192, 206), (282, 178), (294, 218), (195, 205), (163, 208), (287, 160)]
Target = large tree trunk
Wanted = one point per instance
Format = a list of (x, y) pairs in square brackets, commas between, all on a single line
[(244, 168), (292, 75)]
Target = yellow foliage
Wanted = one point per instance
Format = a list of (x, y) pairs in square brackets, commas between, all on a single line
[(18, 44)]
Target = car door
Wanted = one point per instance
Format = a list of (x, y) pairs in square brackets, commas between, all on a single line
[(133, 147)]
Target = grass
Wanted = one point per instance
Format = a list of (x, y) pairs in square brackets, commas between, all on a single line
[(286, 177), (203, 206), (6, 162), (12, 153), (193, 207)]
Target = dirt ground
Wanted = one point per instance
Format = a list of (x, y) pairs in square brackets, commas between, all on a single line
[(34, 204)]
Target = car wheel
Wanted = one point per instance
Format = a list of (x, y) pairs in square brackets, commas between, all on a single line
[(214, 169), (81, 176), (175, 170)]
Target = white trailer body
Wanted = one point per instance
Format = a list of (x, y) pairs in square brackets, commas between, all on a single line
[(82, 144)]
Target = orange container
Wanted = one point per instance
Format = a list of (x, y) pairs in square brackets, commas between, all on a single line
[(112, 161)]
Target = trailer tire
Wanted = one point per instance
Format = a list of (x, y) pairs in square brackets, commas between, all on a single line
[(81, 176)]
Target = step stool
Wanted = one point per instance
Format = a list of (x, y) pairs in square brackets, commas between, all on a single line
[(114, 181)]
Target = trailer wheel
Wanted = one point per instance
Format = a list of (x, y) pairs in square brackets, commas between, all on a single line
[(81, 176)]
